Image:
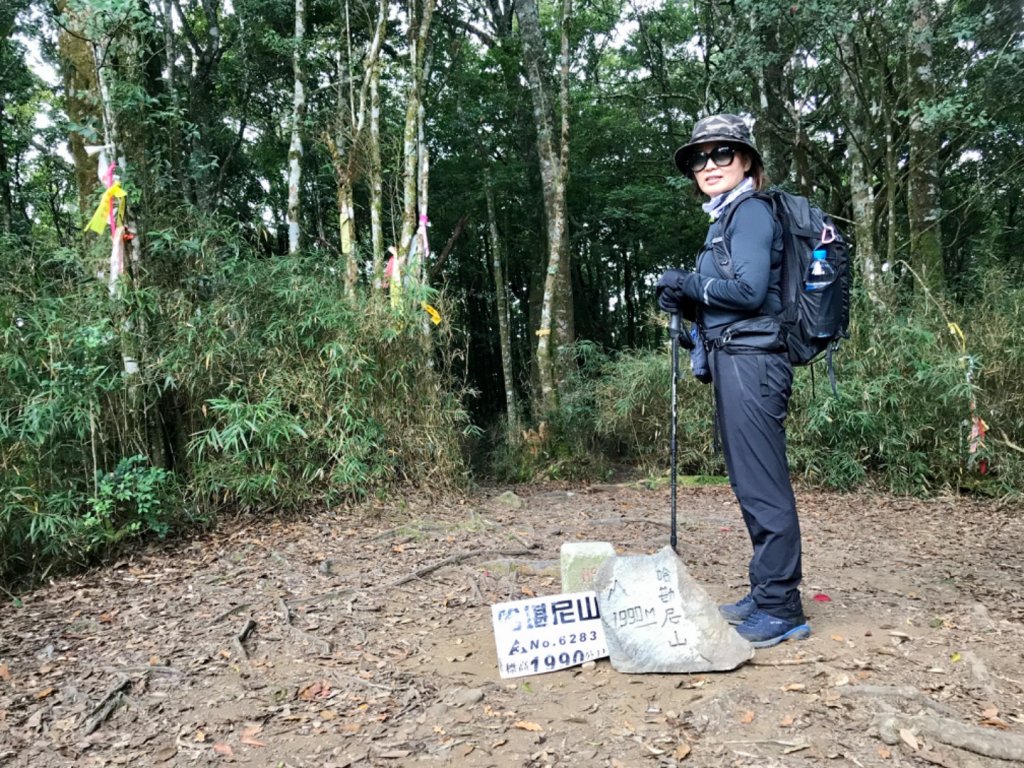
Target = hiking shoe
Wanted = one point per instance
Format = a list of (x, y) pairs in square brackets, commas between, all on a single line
[(762, 630), (738, 612)]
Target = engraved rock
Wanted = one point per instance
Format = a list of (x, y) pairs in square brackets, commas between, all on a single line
[(657, 618)]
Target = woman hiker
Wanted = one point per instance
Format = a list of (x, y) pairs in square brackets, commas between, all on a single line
[(746, 360)]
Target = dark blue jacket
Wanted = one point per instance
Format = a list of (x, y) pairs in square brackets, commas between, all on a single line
[(754, 239)]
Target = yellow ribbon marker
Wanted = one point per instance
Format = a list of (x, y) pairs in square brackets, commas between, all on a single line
[(955, 330), (435, 316), (99, 219)]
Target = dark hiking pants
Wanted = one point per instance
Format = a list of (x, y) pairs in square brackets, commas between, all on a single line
[(751, 399)]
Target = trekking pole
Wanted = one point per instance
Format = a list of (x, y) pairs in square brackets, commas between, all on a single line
[(673, 332)]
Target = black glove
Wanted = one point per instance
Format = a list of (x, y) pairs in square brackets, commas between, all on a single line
[(673, 289)]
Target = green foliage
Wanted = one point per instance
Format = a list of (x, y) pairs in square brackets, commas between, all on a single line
[(900, 416), (272, 387), (901, 420), (634, 412), (565, 445), (307, 392), (131, 501), (614, 409)]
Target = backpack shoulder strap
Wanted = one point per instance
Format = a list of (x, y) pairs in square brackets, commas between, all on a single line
[(722, 252)]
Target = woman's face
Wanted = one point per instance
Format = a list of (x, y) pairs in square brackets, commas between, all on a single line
[(714, 179)]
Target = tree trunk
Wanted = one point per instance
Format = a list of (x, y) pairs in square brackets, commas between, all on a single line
[(124, 259), (891, 177), (376, 177), (6, 198), (555, 326), (174, 122), (923, 200), (627, 290), (771, 98), (862, 192), (501, 296), (413, 161), (78, 72), (295, 149)]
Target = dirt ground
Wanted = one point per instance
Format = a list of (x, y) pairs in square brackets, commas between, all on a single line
[(364, 638)]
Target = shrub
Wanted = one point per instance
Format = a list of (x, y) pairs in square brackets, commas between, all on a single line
[(901, 420), (262, 384)]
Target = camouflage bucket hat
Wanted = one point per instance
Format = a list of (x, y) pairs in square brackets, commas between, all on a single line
[(727, 128)]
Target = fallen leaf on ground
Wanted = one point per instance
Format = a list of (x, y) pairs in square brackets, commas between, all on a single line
[(787, 721), (747, 717), (224, 750), (908, 738), (5, 673), (45, 692), (165, 754), (681, 752), (794, 687), (316, 689), (526, 725), (837, 638), (992, 711), (884, 753)]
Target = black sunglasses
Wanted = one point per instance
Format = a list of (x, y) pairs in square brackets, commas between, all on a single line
[(721, 156)]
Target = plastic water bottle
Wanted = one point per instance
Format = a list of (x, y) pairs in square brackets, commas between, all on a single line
[(820, 273)]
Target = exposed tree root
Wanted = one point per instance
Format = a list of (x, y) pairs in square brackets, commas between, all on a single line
[(908, 692), (631, 521), (457, 558), (239, 640), (980, 673), (286, 614), (981, 741), (228, 613), (790, 662), (106, 706)]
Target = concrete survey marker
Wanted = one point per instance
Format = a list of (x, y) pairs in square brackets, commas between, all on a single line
[(580, 562), (657, 618)]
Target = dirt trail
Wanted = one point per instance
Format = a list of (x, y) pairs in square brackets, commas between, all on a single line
[(315, 643)]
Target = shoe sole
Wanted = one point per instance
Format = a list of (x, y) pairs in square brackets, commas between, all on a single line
[(796, 633)]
